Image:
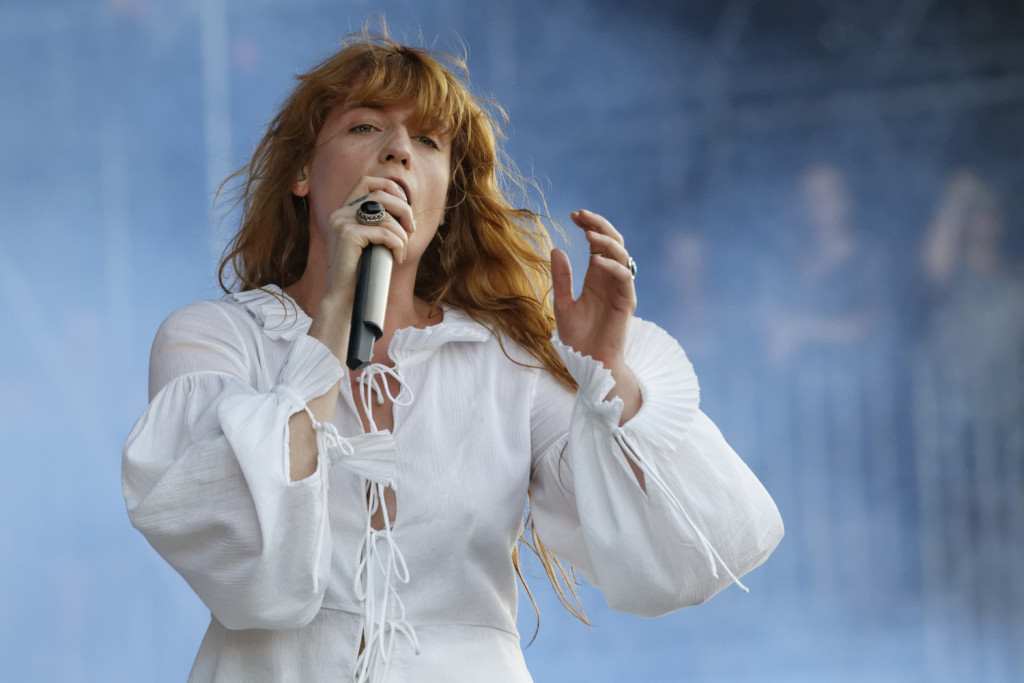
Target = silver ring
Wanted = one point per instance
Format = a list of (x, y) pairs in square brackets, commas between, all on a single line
[(370, 213), (632, 267)]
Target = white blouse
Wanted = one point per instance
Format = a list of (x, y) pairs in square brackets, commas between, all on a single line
[(301, 587)]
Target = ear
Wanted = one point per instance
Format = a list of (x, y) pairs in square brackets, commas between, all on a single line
[(300, 188)]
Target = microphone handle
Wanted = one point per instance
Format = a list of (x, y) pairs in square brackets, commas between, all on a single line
[(373, 279)]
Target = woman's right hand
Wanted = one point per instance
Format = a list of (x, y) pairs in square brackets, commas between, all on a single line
[(347, 236)]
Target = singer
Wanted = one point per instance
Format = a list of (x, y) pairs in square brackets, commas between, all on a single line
[(365, 524)]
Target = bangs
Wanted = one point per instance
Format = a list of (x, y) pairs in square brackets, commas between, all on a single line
[(402, 77)]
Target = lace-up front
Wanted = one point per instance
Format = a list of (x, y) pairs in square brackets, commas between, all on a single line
[(380, 563), (373, 383)]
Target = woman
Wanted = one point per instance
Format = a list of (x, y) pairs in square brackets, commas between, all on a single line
[(364, 525)]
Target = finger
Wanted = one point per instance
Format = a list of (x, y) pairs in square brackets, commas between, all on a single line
[(396, 230), (396, 208), (618, 277), (588, 220), (389, 194), (561, 283), (388, 232), (391, 236), (373, 183), (607, 246), (613, 268)]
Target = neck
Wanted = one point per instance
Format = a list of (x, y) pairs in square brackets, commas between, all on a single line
[(404, 309)]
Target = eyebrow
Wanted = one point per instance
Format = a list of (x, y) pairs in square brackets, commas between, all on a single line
[(442, 128), (362, 105)]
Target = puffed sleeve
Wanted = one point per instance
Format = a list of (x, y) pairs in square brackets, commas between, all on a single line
[(704, 519), (205, 470)]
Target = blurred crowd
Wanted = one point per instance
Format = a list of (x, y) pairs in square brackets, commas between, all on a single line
[(879, 391)]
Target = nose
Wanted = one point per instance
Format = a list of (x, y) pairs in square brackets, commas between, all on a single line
[(397, 148)]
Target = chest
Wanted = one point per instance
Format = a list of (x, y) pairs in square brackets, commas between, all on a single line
[(463, 443)]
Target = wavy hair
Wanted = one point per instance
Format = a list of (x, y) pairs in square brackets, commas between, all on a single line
[(489, 258)]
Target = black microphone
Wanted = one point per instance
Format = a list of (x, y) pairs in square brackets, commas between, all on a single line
[(373, 279), (372, 283)]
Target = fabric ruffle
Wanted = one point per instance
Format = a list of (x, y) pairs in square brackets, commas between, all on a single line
[(410, 345), (373, 457), (309, 369), (282, 318), (668, 385), (274, 311), (594, 381)]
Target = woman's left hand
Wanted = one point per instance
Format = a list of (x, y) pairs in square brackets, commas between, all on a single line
[(596, 323)]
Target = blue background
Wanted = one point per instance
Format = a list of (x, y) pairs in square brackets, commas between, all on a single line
[(688, 124)]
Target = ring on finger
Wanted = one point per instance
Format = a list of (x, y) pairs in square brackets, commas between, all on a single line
[(370, 213), (631, 264)]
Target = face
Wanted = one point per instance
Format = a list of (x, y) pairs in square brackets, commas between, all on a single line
[(825, 197), (365, 141)]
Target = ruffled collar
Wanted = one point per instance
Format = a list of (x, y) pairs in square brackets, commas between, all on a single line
[(281, 317), (274, 311)]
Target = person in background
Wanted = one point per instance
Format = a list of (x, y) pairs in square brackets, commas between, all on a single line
[(833, 290), (973, 296), (965, 237), (968, 383), (829, 390)]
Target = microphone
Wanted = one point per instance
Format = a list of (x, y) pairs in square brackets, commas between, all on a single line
[(372, 283), (373, 279)]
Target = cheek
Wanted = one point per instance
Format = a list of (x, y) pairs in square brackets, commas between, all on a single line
[(419, 242), (334, 169), (329, 185), (320, 210), (440, 184)]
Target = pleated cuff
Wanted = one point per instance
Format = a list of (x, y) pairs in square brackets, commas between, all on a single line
[(594, 382), (309, 369), (668, 385)]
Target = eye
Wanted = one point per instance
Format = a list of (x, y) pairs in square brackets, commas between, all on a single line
[(362, 128), (428, 141)]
